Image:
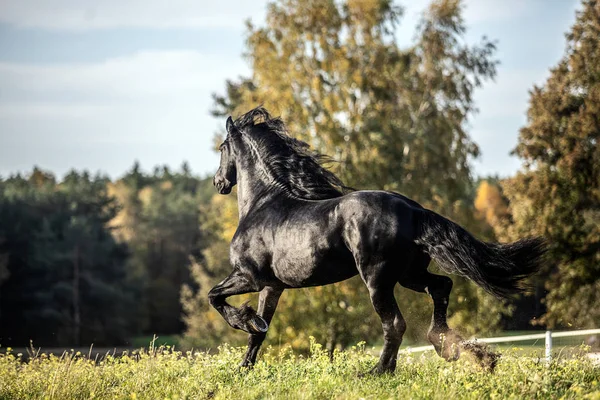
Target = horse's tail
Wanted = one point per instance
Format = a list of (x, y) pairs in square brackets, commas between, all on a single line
[(498, 268)]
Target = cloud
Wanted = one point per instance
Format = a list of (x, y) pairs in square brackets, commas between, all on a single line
[(79, 15), (146, 73), (82, 15), (151, 105), (480, 11)]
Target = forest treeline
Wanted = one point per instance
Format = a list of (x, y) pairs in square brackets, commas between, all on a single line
[(86, 259)]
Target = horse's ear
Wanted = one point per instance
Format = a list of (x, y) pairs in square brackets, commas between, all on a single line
[(229, 125)]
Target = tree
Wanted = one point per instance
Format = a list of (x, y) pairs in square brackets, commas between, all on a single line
[(67, 278), (491, 207), (391, 118), (557, 194), (204, 325), (158, 220)]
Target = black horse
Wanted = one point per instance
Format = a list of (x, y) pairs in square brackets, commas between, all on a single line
[(299, 226)]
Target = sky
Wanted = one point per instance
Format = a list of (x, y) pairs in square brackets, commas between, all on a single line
[(96, 85)]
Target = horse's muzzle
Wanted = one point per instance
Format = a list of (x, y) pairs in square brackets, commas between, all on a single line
[(223, 186)]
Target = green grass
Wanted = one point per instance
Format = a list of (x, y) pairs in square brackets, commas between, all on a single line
[(159, 340), (166, 374)]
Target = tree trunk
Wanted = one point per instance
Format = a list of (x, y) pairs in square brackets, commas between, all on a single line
[(76, 306)]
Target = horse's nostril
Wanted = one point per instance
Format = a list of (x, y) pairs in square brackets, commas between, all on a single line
[(222, 185)]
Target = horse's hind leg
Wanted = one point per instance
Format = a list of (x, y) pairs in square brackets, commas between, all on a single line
[(381, 290), (417, 278), (448, 344), (267, 303)]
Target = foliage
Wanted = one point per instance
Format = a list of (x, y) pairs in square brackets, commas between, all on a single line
[(205, 327), (158, 220), (557, 194), (390, 118), (66, 282), (89, 260), (490, 205), (393, 118), (163, 373)]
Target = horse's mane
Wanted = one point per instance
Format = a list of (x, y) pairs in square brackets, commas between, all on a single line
[(288, 162)]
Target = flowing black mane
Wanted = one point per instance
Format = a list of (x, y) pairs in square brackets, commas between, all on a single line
[(289, 162)]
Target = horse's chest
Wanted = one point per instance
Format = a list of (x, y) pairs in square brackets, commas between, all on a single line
[(249, 251)]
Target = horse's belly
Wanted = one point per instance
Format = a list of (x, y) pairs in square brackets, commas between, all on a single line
[(300, 266)]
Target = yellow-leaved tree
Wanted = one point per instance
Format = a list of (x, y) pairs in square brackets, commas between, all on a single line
[(391, 118)]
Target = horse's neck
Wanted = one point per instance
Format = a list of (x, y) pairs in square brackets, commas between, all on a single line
[(252, 191)]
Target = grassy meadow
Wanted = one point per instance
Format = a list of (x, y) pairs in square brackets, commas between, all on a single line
[(163, 373)]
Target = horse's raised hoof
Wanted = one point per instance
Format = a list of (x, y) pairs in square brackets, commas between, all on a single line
[(257, 325), (251, 322)]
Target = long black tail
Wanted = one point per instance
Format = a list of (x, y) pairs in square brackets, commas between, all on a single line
[(498, 268)]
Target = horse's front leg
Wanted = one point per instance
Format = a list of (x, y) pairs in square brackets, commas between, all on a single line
[(267, 303), (244, 317)]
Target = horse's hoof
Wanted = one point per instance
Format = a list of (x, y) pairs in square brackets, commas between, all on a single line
[(257, 324), (375, 371), (250, 321), (245, 365)]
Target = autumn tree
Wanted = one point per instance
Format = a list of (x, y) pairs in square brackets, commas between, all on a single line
[(392, 118), (557, 193), (491, 206)]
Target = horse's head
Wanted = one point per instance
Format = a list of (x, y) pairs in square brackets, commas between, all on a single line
[(226, 176)]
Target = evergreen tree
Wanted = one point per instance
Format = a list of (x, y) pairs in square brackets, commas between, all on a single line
[(557, 194), (67, 279)]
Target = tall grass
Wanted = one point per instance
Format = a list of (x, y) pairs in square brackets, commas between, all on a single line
[(162, 373)]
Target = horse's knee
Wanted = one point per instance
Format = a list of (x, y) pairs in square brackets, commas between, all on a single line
[(213, 298), (394, 331), (400, 327)]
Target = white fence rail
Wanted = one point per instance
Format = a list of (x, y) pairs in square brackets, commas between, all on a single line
[(547, 336)]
